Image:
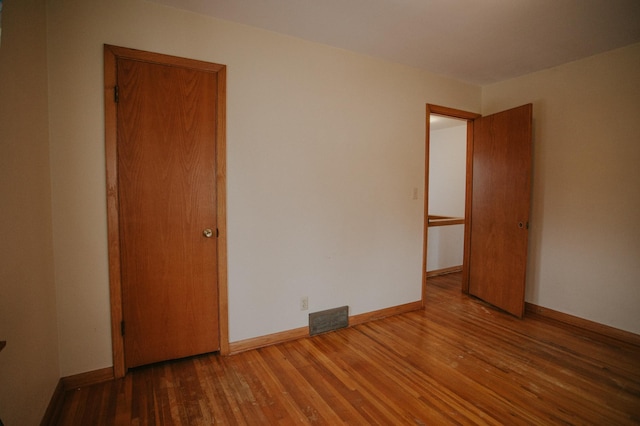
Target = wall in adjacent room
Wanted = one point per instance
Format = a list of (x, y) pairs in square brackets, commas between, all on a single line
[(584, 250), (29, 363), (324, 148), (447, 179)]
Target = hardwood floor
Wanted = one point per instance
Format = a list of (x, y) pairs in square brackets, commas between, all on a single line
[(457, 362)]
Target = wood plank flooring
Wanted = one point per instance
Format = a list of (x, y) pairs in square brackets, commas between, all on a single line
[(457, 362)]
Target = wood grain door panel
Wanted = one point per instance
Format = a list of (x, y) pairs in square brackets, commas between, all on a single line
[(500, 206), (167, 197)]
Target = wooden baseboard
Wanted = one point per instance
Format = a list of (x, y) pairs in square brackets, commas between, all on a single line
[(302, 332), (267, 340), (382, 313), (444, 271), (612, 332), (89, 378)]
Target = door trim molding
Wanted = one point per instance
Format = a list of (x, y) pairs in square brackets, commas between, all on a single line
[(469, 117), (111, 55)]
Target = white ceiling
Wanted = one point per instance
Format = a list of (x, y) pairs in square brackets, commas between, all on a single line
[(477, 41)]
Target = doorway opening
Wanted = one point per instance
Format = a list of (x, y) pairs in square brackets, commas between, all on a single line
[(448, 171), (447, 184)]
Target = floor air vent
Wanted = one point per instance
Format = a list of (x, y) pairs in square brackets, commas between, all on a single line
[(329, 320)]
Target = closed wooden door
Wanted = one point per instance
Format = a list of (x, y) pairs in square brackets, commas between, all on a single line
[(500, 205), (166, 130)]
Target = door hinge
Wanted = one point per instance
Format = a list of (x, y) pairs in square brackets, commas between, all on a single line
[(122, 328), (116, 94)]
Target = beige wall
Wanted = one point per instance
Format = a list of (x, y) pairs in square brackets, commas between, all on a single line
[(29, 364), (324, 150), (585, 240)]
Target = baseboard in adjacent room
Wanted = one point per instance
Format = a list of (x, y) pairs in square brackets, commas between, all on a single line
[(444, 271)]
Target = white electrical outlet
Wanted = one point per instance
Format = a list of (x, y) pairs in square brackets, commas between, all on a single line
[(304, 303)]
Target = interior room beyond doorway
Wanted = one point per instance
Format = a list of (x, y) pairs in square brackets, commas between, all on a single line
[(447, 177)]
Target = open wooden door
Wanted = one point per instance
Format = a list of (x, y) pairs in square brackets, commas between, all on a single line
[(500, 204)]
